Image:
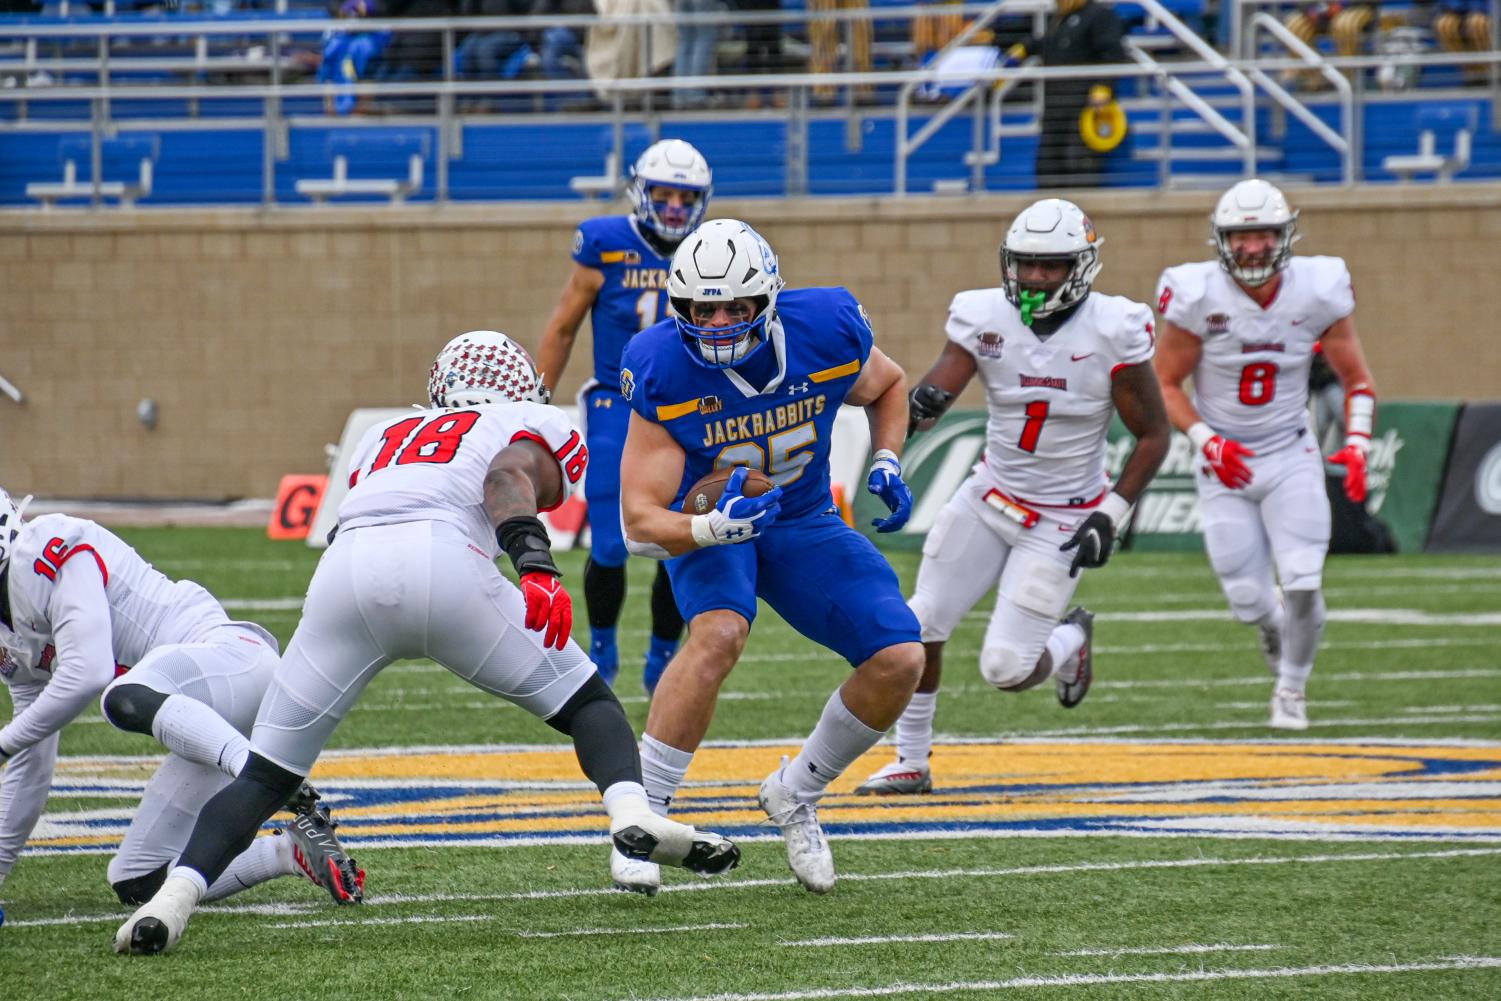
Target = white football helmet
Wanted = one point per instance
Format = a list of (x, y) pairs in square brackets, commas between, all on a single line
[(1254, 204), (722, 261), (1051, 229), (484, 366), (671, 163), (10, 525)]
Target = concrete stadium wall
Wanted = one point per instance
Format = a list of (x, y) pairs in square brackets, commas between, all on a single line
[(257, 332)]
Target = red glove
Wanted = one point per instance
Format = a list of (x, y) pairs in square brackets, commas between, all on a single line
[(547, 607), (1352, 457), (1227, 458)]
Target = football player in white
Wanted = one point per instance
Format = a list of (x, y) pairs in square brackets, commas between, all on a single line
[(1244, 327), (1057, 360), (434, 498), (84, 618)]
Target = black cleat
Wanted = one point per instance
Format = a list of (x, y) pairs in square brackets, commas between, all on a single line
[(1071, 693)]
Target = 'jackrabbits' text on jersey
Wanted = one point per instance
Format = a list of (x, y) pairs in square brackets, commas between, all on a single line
[(431, 466), (1050, 398), (1251, 383)]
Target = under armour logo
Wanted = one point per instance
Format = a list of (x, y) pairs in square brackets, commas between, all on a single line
[(798, 387), (734, 533)]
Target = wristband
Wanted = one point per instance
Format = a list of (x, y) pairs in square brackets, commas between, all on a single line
[(886, 455), (524, 539), (1360, 414), (1200, 433), (1115, 507), (703, 532)]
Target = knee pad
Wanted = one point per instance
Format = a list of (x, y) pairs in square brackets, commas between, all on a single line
[(137, 890), (1002, 667), (131, 707), (1250, 602), (591, 691)]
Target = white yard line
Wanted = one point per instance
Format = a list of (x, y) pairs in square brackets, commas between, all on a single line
[(1090, 979), (974, 936), (721, 885), (721, 926), (1169, 950), (1317, 724)]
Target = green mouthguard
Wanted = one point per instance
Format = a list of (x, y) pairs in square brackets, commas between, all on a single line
[(1031, 301)]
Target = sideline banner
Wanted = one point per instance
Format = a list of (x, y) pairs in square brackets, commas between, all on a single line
[(1406, 466), (1469, 507)]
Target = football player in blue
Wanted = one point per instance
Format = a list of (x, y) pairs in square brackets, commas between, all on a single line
[(619, 278), (745, 374)]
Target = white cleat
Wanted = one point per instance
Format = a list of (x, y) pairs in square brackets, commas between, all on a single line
[(633, 876), (159, 923), (807, 849), (1289, 711), (900, 778), (646, 837)]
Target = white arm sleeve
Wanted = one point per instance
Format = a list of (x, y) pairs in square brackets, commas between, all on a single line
[(85, 664), (24, 786)]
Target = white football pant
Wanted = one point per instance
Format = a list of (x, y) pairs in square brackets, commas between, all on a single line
[(1282, 517), (391, 592), (971, 546), (228, 672)]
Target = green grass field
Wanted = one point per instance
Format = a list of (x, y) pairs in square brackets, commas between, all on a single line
[(1156, 842)]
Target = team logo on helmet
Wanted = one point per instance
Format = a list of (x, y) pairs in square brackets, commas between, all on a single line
[(484, 366)]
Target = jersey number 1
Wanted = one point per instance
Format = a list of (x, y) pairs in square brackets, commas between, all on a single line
[(1037, 413)]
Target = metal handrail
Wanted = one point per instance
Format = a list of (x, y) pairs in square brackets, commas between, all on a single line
[(1299, 110), (906, 146)]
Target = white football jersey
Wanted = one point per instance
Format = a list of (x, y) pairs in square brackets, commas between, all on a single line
[(431, 466), (1050, 398), (1251, 383), (146, 608)]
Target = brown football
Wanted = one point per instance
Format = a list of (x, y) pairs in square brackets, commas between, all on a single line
[(703, 495)]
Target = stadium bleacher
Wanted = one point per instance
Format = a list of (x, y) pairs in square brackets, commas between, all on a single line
[(521, 156)]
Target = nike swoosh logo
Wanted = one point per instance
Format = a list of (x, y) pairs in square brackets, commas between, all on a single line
[(1299, 321), (1080, 357)]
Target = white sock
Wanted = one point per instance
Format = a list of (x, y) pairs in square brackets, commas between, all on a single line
[(266, 858), (624, 799), (914, 729), (835, 743), (1293, 677), (662, 771), (1063, 646), (192, 730), (192, 876)]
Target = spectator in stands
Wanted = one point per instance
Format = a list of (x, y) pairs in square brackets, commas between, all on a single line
[(763, 42), (696, 52), (415, 55), (1347, 24), (350, 55), (1082, 33), (622, 52), (932, 32), (1464, 26), (562, 48), (824, 36), (495, 55)]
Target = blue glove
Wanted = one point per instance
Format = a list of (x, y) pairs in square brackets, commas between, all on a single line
[(886, 483), (737, 518)]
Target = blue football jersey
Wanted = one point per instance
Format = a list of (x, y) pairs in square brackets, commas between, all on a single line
[(634, 295), (785, 430)]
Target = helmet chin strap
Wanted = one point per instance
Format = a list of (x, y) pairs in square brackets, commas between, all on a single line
[(1030, 302)]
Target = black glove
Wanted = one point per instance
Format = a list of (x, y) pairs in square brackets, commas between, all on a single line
[(1094, 540), (926, 402)]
